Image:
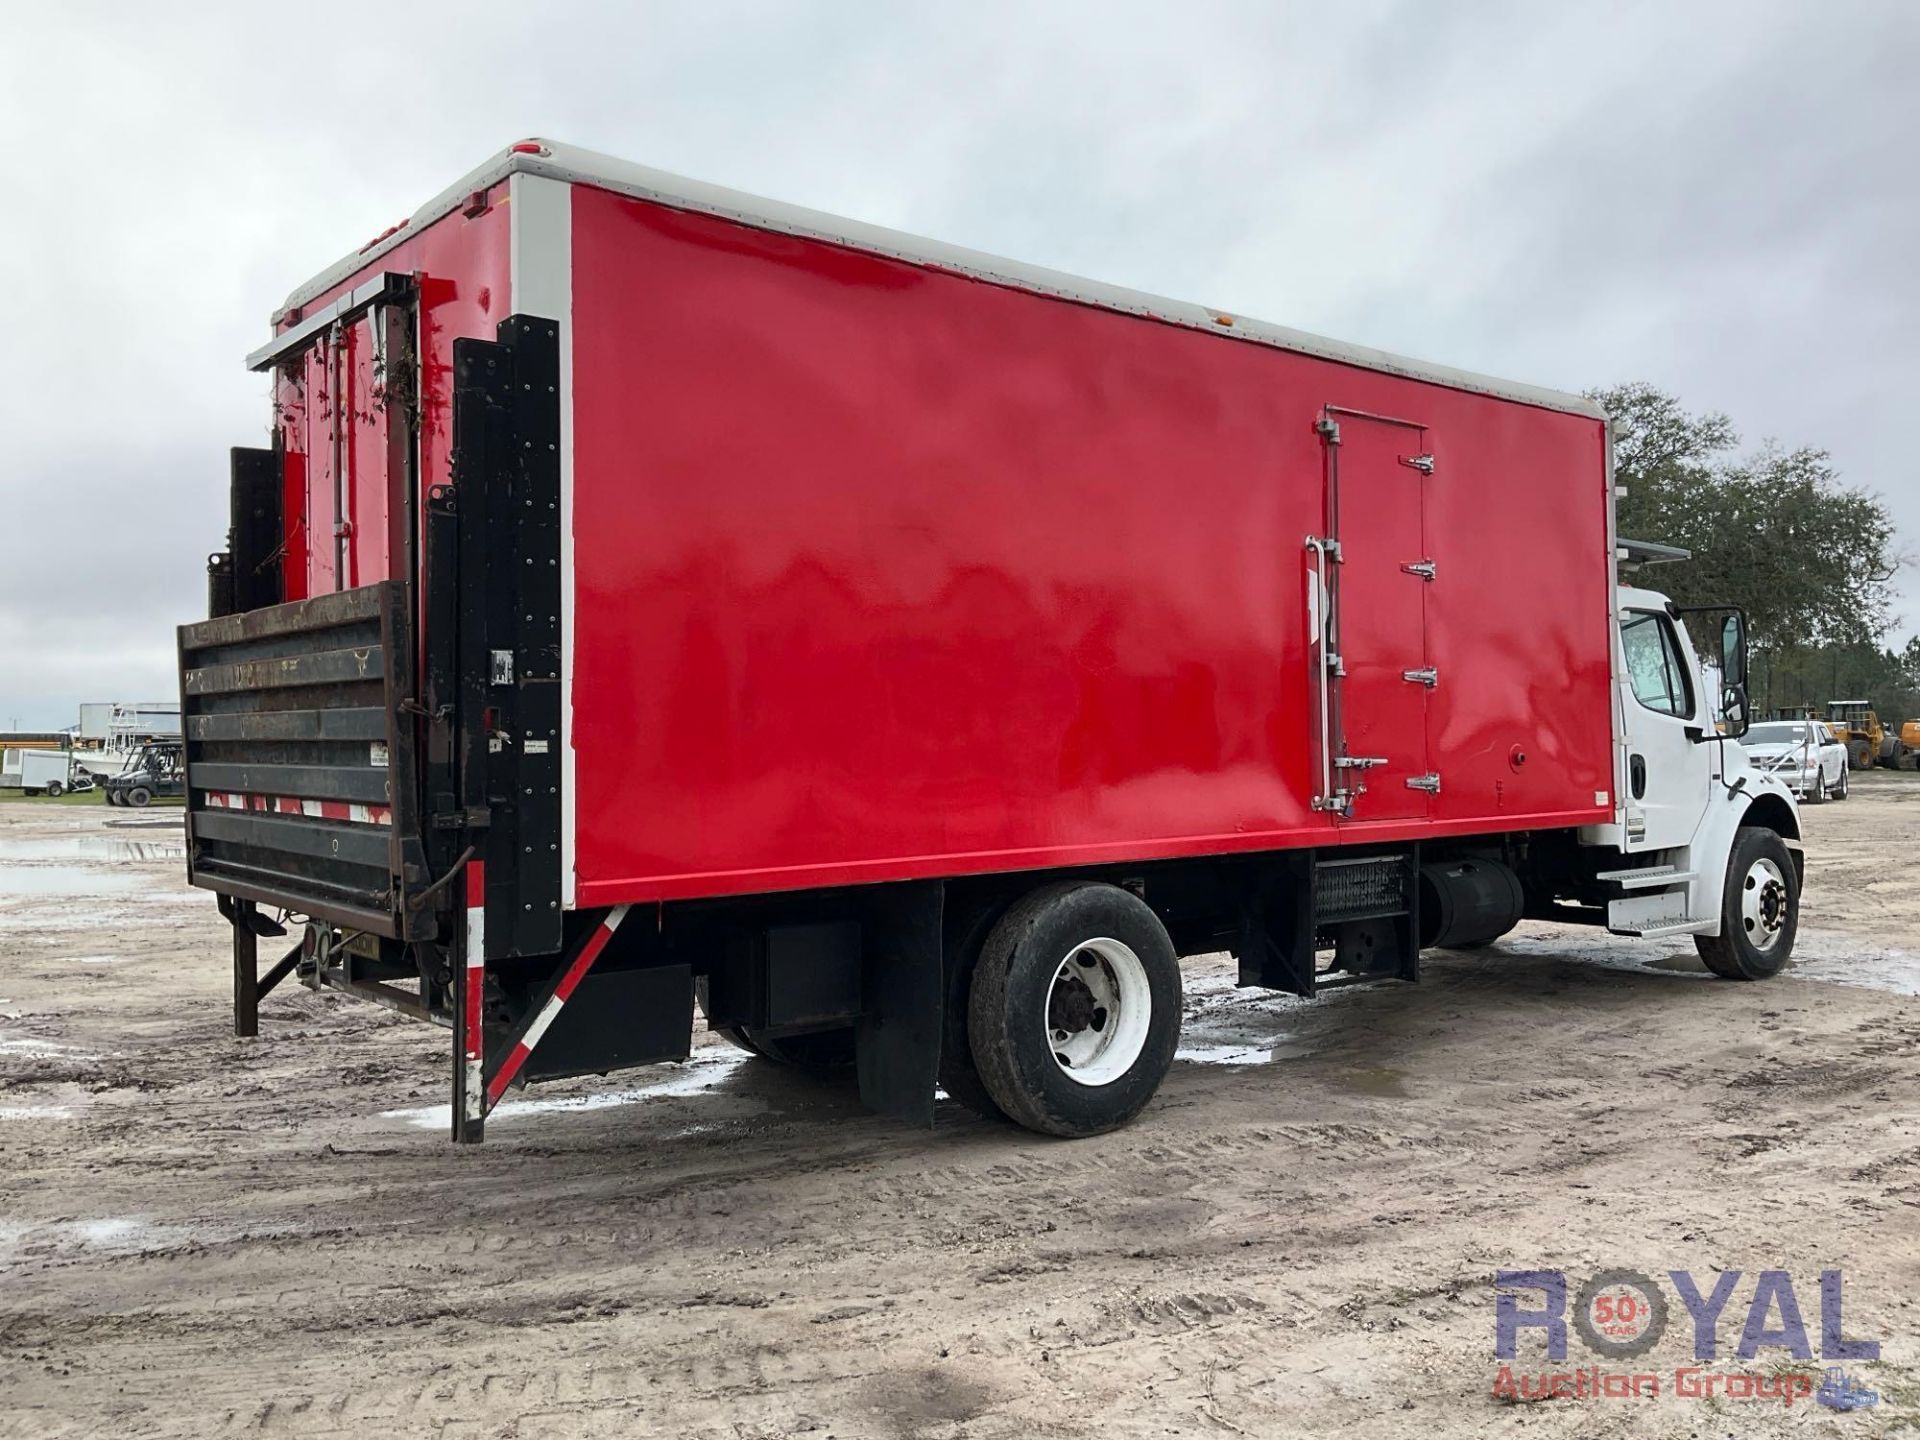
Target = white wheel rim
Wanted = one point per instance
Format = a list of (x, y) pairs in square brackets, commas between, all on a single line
[(1099, 1006), (1764, 904)]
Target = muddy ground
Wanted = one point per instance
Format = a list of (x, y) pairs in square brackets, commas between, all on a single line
[(202, 1236)]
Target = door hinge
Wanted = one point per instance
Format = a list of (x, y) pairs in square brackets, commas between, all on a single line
[(1422, 463), (1429, 782), (1328, 430), (1427, 676), (1422, 568), (1328, 548)]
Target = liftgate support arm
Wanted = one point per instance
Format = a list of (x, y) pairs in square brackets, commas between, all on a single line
[(479, 1085), (250, 987)]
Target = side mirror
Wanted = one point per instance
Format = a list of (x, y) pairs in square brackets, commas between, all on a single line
[(1733, 709), (1733, 651)]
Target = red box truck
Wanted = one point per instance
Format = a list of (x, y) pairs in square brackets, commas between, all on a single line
[(653, 596)]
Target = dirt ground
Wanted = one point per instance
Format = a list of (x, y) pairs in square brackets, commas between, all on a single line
[(202, 1236)]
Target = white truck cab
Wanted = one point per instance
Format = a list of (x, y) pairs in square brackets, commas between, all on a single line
[(1706, 844)]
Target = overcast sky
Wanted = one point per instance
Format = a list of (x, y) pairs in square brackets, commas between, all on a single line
[(1717, 198)]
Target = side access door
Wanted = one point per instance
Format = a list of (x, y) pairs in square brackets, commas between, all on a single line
[(1376, 677)]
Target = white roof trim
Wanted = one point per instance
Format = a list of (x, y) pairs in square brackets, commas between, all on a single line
[(569, 163)]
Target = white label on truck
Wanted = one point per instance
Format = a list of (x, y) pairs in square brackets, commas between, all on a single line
[(534, 747), (1599, 797), (377, 755)]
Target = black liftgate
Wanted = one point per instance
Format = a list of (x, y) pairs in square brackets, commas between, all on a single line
[(362, 758)]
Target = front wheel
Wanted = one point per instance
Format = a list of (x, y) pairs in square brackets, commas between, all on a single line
[(55, 789), (1841, 793), (1759, 911), (1818, 794), (1073, 1013), (139, 797)]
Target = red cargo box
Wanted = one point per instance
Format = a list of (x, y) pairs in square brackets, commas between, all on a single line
[(883, 559)]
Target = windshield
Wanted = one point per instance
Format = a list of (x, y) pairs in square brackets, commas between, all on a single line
[(1776, 734)]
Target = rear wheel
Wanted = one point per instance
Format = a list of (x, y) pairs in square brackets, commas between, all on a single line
[(55, 789), (139, 797), (1759, 912), (1073, 1014), (113, 796)]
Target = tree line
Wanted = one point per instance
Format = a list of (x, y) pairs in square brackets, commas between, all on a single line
[(1777, 532)]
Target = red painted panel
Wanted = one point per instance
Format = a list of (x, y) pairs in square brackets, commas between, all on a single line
[(464, 264), (886, 572)]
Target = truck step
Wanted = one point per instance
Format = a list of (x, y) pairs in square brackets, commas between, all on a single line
[(1661, 931), (1648, 877)]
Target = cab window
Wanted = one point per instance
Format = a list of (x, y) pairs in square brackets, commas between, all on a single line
[(1654, 664)]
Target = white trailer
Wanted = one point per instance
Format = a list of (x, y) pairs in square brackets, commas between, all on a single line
[(46, 771)]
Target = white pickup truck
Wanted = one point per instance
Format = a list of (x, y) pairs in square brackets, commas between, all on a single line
[(1805, 754)]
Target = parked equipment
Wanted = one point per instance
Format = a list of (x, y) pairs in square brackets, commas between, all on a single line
[(1868, 742), (154, 771), (913, 654)]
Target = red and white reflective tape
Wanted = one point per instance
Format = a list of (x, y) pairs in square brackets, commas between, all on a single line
[(312, 809), (578, 967), (474, 1055)]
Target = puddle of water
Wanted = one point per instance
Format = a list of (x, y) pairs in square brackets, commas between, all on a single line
[(695, 1076), (1226, 1025), (1372, 1080), (118, 1235), (43, 881), (28, 1046), (20, 913), (37, 1112), (1827, 955), (93, 847), (1817, 955), (1225, 1054)]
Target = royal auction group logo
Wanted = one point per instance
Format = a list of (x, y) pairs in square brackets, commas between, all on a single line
[(1620, 1315)]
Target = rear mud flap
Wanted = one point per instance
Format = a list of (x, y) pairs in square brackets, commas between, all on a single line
[(898, 1037)]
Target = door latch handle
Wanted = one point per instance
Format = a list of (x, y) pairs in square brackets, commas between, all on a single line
[(1359, 762), (1429, 782), (1422, 568), (1422, 463)]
